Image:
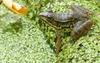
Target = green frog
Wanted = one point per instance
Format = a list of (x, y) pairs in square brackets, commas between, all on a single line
[(77, 20)]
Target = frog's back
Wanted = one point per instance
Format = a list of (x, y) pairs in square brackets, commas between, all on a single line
[(62, 17)]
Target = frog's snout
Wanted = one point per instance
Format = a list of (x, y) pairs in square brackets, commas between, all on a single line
[(42, 14), (45, 14)]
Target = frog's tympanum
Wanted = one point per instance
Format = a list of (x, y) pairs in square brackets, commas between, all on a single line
[(78, 20)]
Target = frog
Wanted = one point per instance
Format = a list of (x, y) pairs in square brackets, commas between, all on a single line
[(77, 20)]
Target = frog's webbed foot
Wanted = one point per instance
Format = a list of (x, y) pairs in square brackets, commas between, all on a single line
[(80, 28)]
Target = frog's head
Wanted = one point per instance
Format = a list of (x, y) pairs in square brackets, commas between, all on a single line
[(48, 17)]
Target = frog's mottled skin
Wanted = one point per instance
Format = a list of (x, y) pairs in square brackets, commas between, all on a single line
[(78, 20), (58, 20)]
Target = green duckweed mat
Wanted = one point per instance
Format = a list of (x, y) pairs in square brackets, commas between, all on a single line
[(25, 39)]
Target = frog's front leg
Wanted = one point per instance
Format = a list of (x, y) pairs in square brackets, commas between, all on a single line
[(80, 28), (58, 41)]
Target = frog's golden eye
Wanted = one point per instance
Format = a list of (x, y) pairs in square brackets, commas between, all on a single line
[(15, 7)]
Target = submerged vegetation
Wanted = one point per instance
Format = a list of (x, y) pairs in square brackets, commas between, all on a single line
[(26, 39)]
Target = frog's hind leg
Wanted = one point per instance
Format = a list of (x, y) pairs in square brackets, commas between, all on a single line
[(80, 28), (78, 8)]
